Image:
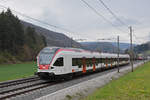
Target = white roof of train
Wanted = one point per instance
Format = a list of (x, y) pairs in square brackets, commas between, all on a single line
[(86, 53)]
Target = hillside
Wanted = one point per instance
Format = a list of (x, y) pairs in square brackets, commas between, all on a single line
[(99, 46), (143, 48), (123, 46), (105, 46), (53, 38)]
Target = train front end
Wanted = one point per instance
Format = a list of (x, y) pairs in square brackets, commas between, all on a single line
[(44, 60)]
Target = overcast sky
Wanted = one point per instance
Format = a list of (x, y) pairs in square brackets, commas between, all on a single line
[(77, 17)]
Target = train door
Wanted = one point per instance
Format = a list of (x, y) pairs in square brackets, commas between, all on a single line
[(67, 64), (93, 61), (111, 60), (84, 65), (106, 62), (103, 62), (59, 65)]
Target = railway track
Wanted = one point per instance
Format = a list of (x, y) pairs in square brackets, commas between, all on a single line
[(13, 88), (22, 90), (19, 81)]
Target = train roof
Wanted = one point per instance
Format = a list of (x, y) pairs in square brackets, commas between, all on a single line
[(79, 50)]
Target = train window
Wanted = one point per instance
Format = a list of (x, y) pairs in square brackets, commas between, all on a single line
[(100, 60), (77, 62), (120, 59), (112, 60), (46, 55), (109, 60), (97, 61), (90, 62), (74, 61), (87, 62), (103, 60), (126, 59), (59, 62)]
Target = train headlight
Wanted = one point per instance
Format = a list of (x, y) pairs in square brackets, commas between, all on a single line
[(44, 67)]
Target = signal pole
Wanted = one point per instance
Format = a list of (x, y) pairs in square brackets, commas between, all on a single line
[(131, 49), (118, 51)]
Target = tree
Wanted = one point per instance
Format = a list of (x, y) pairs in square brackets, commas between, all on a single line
[(30, 37), (44, 40), (11, 32), (16, 40)]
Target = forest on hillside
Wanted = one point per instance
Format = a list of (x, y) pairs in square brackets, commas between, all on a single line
[(18, 43), (143, 48)]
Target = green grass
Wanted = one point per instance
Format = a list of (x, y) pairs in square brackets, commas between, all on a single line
[(17, 71), (133, 86)]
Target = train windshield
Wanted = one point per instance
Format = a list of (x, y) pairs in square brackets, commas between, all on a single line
[(46, 56)]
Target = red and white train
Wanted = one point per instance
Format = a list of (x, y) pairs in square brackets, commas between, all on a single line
[(59, 62)]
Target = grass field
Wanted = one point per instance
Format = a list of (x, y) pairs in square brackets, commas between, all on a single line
[(17, 71), (133, 86)]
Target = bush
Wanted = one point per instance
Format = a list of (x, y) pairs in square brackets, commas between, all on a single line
[(6, 57)]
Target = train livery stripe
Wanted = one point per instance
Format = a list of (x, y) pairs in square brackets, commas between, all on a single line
[(59, 50)]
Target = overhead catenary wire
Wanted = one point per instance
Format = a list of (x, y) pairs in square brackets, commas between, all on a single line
[(37, 20), (112, 13), (100, 15), (118, 19), (137, 39)]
